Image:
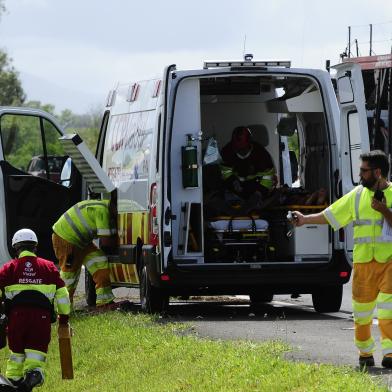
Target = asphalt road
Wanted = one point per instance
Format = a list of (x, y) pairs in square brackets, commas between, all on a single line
[(315, 338)]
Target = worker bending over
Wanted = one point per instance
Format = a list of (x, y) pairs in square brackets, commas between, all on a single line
[(368, 207), (32, 286), (73, 245)]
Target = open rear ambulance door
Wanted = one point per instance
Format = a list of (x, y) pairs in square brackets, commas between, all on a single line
[(163, 183), (31, 193), (354, 135)]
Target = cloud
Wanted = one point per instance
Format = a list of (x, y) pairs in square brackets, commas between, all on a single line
[(89, 45), (93, 70), (34, 3)]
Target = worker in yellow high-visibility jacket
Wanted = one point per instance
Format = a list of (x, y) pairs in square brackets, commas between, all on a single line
[(369, 211), (73, 245)]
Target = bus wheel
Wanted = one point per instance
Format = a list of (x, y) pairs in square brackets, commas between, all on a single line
[(328, 299), (89, 288), (152, 299)]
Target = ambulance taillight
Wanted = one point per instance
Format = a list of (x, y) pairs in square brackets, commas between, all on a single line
[(153, 227)]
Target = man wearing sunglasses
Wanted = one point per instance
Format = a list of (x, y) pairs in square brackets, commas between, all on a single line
[(367, 206)]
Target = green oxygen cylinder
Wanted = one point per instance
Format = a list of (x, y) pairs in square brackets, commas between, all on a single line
[(189, 165)]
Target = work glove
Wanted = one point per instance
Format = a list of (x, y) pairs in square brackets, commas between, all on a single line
[(63, 319)]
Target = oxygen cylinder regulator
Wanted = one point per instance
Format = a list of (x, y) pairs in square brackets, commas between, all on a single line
[(189, 164)]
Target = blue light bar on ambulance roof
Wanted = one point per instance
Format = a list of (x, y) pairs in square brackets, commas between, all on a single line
[(248, 64)]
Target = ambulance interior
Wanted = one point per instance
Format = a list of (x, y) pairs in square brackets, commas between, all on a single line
[(284, 114)]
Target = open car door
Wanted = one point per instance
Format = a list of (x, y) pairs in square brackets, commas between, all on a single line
[(354, 135), (37, 183), (31, 191)]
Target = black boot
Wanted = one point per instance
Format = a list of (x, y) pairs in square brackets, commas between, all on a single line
[(16, 383), (33, 378), (7, 385), (365, 362), (387, 362)]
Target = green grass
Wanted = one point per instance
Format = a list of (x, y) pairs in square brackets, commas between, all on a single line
[(133, 352)]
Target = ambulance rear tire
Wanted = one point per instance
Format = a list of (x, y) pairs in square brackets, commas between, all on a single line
[(328, 299), (152, 299), (260, 298), (89, 288)]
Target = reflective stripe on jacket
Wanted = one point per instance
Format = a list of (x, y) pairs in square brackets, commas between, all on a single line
[(264, 178), (27, 275), (83, 222), (355, 207)]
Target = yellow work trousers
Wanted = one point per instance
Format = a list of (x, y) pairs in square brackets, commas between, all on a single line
[(83, 256), (372, 286)]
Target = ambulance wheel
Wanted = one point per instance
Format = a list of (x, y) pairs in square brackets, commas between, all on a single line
[(260, 298), (328, 299), (89, 288), (152, 299)]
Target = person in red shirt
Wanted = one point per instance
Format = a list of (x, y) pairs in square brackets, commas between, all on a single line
[(247, 168), (31, 287)]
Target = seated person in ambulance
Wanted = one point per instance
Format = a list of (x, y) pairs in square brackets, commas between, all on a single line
[(247, 168)]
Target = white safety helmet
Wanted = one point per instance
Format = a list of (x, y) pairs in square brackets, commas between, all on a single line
[(24, 235)]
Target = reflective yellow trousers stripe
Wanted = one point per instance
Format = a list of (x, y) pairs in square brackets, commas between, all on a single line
[(93, 258), (15, 366)]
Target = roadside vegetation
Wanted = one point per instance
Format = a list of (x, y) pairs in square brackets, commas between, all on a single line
[(133, 352)]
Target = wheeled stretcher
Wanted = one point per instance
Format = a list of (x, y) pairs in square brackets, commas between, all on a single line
[(239, 239)]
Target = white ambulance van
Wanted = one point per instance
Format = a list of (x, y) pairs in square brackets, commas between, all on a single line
[(158, 145)]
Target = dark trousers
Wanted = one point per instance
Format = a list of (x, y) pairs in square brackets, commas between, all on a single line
[(28, 327)]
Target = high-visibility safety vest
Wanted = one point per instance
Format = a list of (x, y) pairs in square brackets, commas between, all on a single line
[(355, 207), (84, 221), (264, 178), (32, 281)]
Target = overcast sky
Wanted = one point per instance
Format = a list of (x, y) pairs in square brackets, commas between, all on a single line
[(70, 53)]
